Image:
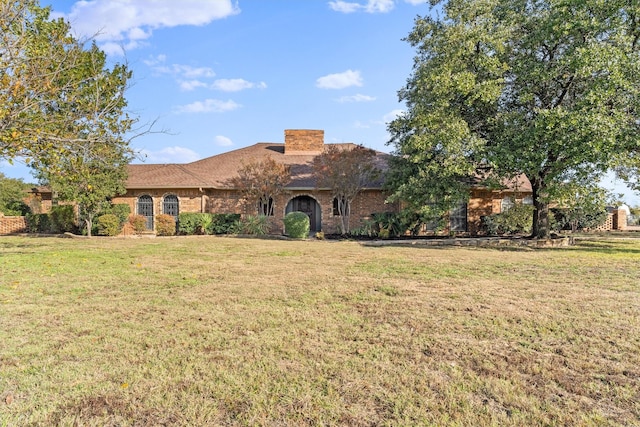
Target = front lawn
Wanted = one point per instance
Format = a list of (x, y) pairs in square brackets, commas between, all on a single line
[(229, 331)]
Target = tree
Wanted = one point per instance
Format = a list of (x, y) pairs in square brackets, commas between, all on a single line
[(545, 88), (260, 181), (56, 96), (581, 206), (345, 171), (12, 195), (90, 180)]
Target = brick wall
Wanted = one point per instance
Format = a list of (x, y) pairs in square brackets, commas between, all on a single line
[(12, 224), (298, 141)]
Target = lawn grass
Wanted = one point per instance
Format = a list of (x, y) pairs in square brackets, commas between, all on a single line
[(231, 331)]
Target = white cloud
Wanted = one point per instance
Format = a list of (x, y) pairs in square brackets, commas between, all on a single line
[(356, 98), (208, 106), (340, 80), (416, 2), (171, 155), (188, 85), (235, 85), (392, 115), (223, 141), (372, 6), (121, 22)]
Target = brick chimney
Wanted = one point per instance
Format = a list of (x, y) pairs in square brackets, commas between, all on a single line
[(303, 141)]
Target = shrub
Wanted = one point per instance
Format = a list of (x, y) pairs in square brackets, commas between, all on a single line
[(108, 225), (165, 225), (517, 220), (139, 223), (296, 225), (188, 223), (257, 225), (63, 219), (120, 210), (39, 223), (225, 224)]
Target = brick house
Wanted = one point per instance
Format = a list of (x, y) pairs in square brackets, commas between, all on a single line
[(203, 186)]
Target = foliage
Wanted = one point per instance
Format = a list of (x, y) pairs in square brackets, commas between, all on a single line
[(580, 206), (56, 95), (517, 220), (138, 223), (505, 87), (12, 195), (258, 225), (39, 223), (260, 181), (120, 210), (345, 171), (63, 219), (297, 225), (108, 225), (165, 225), (190, 223)]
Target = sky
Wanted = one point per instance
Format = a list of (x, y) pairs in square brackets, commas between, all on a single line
[(218, 75)]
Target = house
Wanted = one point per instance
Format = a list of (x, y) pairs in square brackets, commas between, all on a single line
[(204, 186)]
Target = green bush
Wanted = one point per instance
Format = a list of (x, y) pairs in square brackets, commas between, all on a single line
[(63, 219), (517, 220), (225, 224), (296, 225), (165, 225), (108, 225), (138, 223), (257, 225), (121, 210), (189, 223), (39, 223)]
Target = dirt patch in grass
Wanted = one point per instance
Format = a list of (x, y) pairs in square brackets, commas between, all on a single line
[(223, 331)]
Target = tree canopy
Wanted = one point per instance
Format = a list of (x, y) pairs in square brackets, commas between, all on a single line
[(55, 94), (260, 181), (545, 88), (345, 171)]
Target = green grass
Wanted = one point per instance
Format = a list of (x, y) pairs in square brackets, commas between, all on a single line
[(225, 331)]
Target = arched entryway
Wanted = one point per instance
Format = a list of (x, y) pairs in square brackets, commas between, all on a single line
[(311, 207), (145, 208)]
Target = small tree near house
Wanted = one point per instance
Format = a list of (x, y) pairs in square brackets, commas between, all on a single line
[(345, 171), (260, 181)]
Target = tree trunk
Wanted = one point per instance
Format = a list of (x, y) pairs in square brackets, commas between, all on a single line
[(89, 224), (540, 228)]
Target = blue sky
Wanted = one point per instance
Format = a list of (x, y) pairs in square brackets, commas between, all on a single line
[(219, 75)]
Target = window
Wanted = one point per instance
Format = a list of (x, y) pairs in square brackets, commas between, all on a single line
[(265, 208), (145, 208), (506, 204), (458, 218), (336, 211), (527, 200), (170, 206)]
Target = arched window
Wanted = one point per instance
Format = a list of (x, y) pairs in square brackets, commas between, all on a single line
[(506, 204), (145, 208), (170, 206)]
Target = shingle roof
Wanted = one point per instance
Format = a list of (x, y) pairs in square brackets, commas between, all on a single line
[(217, 171)]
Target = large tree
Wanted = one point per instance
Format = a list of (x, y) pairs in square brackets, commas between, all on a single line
[(545, 88), (345, 170), (56, 94)]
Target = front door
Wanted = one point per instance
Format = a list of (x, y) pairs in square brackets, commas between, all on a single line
[(309, 206)]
